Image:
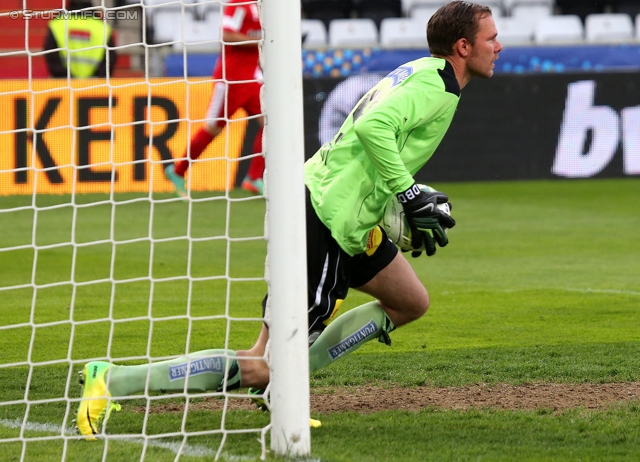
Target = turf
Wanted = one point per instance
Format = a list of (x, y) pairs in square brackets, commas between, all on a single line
[(539, 284)]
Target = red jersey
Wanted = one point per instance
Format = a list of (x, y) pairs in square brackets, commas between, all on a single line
[(240, 62)]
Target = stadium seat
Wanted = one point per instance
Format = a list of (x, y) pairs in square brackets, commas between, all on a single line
[(510, 5), (403, 32), (423, 13), (327, 10), (377, 9), (151, 3), (166, 22), (496, 7), (206, 7), (314, 33), (164, 18), (353, 33), (409, 5), (514, 31), (566, 28), (199, 34), (531, 12), (608, 27)]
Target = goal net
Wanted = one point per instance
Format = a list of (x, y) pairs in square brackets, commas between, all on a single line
[(101, 261)]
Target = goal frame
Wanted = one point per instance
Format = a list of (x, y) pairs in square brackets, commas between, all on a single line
[(286, 244)]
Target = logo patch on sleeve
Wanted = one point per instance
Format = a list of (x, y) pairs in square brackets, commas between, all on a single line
[(399, 74)]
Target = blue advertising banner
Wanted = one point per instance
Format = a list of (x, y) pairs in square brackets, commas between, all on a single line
[(519, 60)]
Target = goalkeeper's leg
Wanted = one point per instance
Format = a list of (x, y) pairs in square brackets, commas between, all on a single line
[(202, 371), (401, 298), (401, 294)]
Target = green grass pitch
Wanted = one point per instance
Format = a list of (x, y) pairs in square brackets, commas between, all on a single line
[(540, 283)]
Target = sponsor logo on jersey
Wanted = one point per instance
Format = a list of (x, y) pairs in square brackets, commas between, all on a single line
[(198, 366), (353, 340)]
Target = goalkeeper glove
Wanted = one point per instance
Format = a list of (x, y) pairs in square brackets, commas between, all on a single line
[(429, 245), (422, 213)]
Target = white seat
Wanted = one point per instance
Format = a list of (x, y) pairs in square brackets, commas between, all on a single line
[(566, 28), (495, 5), (161, 2), (314, 33), (638, 27), (207, 7), (510, 5), (166, 17), (608, 27), (199, 35), (423, 14), (531, 12), (166, 21), (353, 32), (403, 32), (514, 31), (409, 5)]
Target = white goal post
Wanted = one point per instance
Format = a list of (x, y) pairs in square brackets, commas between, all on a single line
[(286, 240), (102, 262)]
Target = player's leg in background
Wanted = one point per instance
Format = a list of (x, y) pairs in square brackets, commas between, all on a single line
[(254, 181), (213, 126)]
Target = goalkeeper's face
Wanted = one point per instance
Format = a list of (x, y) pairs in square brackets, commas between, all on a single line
[(485, 49)]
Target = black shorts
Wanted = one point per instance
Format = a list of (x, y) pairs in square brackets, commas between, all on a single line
[(331, 271)]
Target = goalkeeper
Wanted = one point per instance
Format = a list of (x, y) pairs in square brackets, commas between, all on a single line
[(390, 134)]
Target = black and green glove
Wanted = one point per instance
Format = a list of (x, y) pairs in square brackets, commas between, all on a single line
[(423, 215)]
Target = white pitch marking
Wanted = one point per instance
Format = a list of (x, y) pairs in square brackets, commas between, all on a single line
[(604, 291), (187, 450), (568, 289)]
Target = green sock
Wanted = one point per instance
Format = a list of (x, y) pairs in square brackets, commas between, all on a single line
[(348, 332), (205, 371)]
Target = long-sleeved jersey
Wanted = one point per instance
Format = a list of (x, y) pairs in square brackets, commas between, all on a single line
[(389, 135)]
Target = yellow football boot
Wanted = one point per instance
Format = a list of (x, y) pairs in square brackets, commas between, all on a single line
[(96, 405), (260, 400)]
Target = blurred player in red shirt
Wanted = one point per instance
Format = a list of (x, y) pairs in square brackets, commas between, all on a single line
[(237, 75)]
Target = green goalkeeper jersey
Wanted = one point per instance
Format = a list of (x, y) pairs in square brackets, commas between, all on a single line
[(389, 135)]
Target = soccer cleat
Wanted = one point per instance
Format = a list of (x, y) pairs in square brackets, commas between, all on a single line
[(178, 182), (262, 404), (313, 423), (95, 406), (259, 401), (254, 186)]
